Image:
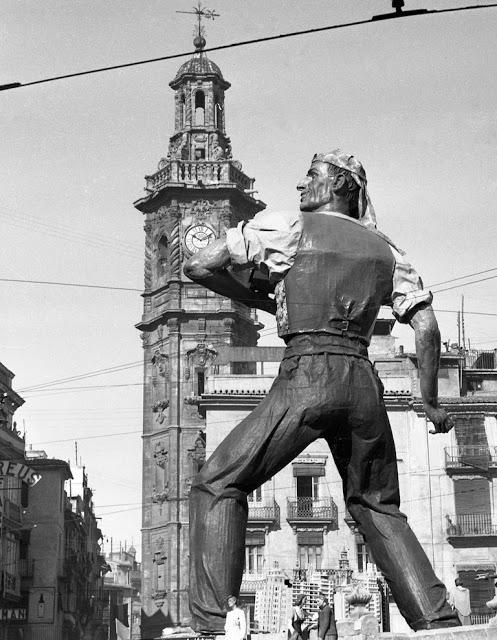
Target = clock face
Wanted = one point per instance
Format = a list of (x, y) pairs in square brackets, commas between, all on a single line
[(198, 237)]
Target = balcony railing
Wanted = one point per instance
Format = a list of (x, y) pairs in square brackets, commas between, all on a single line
[(240, 384), (474, 359), (203, 171), (471, 524), (471, 458), (268, 512), (481, 617), (321, 509)]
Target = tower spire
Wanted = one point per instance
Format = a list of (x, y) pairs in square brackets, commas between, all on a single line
[(201, 12)]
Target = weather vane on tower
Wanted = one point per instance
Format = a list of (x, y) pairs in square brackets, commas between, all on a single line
[(201, 12)]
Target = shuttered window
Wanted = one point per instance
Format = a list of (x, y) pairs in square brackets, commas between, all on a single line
[(302, 469), (472, 495), (309, 538), (470, 431), (480, 591), (255, 538)]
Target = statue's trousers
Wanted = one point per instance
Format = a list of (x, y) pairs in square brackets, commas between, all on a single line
[(332, 396)]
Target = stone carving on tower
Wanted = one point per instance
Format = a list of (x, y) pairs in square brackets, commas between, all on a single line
[(197, 192)]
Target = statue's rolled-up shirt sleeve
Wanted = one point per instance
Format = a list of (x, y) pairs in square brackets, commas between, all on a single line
[(269, 242), (407, 291)]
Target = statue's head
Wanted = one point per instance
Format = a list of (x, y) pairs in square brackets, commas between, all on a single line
[(337, 174)]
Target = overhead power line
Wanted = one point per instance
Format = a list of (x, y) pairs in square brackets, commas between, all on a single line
[(82, 376), (80, 388), (71, 284), (243, 43), (117, 288), (59, 232)]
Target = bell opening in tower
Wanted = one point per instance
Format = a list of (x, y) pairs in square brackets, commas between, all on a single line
[(199, 108)]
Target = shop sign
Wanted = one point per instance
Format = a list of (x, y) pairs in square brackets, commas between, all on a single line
[(20, 471), (13, 614)]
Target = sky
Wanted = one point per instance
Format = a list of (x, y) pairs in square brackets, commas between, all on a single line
[(413, 99)]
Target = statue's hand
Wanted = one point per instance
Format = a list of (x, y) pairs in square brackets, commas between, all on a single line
[(442, 422)]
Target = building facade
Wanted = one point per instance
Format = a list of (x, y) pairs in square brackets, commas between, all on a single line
[(122, 587), (299, 532), (64, 586), (14, 478), (198, 191)]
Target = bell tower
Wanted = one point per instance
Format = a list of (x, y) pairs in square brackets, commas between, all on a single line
[(197, 192)]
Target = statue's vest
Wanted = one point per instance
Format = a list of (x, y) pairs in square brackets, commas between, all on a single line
[(341, 276)]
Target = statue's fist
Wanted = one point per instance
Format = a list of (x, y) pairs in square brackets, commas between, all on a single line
[(442, 422)]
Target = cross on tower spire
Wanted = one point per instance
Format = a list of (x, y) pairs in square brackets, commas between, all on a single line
[(201, 12)]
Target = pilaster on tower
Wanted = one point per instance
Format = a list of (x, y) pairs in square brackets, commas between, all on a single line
[(197, 192)]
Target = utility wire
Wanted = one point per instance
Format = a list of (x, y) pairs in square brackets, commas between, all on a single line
[(79, 388), (71, 284), (470, 275), (98, 372), (265, 332), (242, 43), (67, 233), (116, 288)]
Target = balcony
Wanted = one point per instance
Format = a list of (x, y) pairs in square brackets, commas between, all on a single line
[(312, 511), (240, 384), (474, 359), (481, 617), (263, 514), (471, 459), (205, 172), (472, 530)]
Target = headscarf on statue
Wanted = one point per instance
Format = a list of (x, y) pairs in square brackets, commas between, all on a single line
[(367, 215)]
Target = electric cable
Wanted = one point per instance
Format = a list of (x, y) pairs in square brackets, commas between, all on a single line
[(242, 43), (72, 284), (81, 376)]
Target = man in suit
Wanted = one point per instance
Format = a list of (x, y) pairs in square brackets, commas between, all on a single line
[(327, 628)]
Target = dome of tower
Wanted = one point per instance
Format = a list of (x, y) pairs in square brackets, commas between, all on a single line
[(199, 65)]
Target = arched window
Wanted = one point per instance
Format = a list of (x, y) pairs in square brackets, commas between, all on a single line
[(162, 256), (199, 108)]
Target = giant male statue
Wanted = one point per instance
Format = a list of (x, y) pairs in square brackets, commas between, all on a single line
[(332, 270)]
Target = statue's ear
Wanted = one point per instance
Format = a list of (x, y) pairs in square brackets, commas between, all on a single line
[(339, 184)]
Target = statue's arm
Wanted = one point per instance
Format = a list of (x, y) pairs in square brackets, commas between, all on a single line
[(208, 267), (427, 338)]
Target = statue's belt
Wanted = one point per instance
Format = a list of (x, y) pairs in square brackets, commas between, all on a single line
[(333, 341)]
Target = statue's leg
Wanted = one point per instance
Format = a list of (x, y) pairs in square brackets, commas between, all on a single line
[(262, 444), (364, 452)]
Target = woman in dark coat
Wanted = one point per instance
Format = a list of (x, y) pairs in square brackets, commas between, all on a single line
[(298, 616)]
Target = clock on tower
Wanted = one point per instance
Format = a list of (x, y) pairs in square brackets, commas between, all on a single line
[(198, 237)]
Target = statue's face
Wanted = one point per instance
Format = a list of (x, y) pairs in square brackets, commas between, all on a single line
[(315, 188)]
